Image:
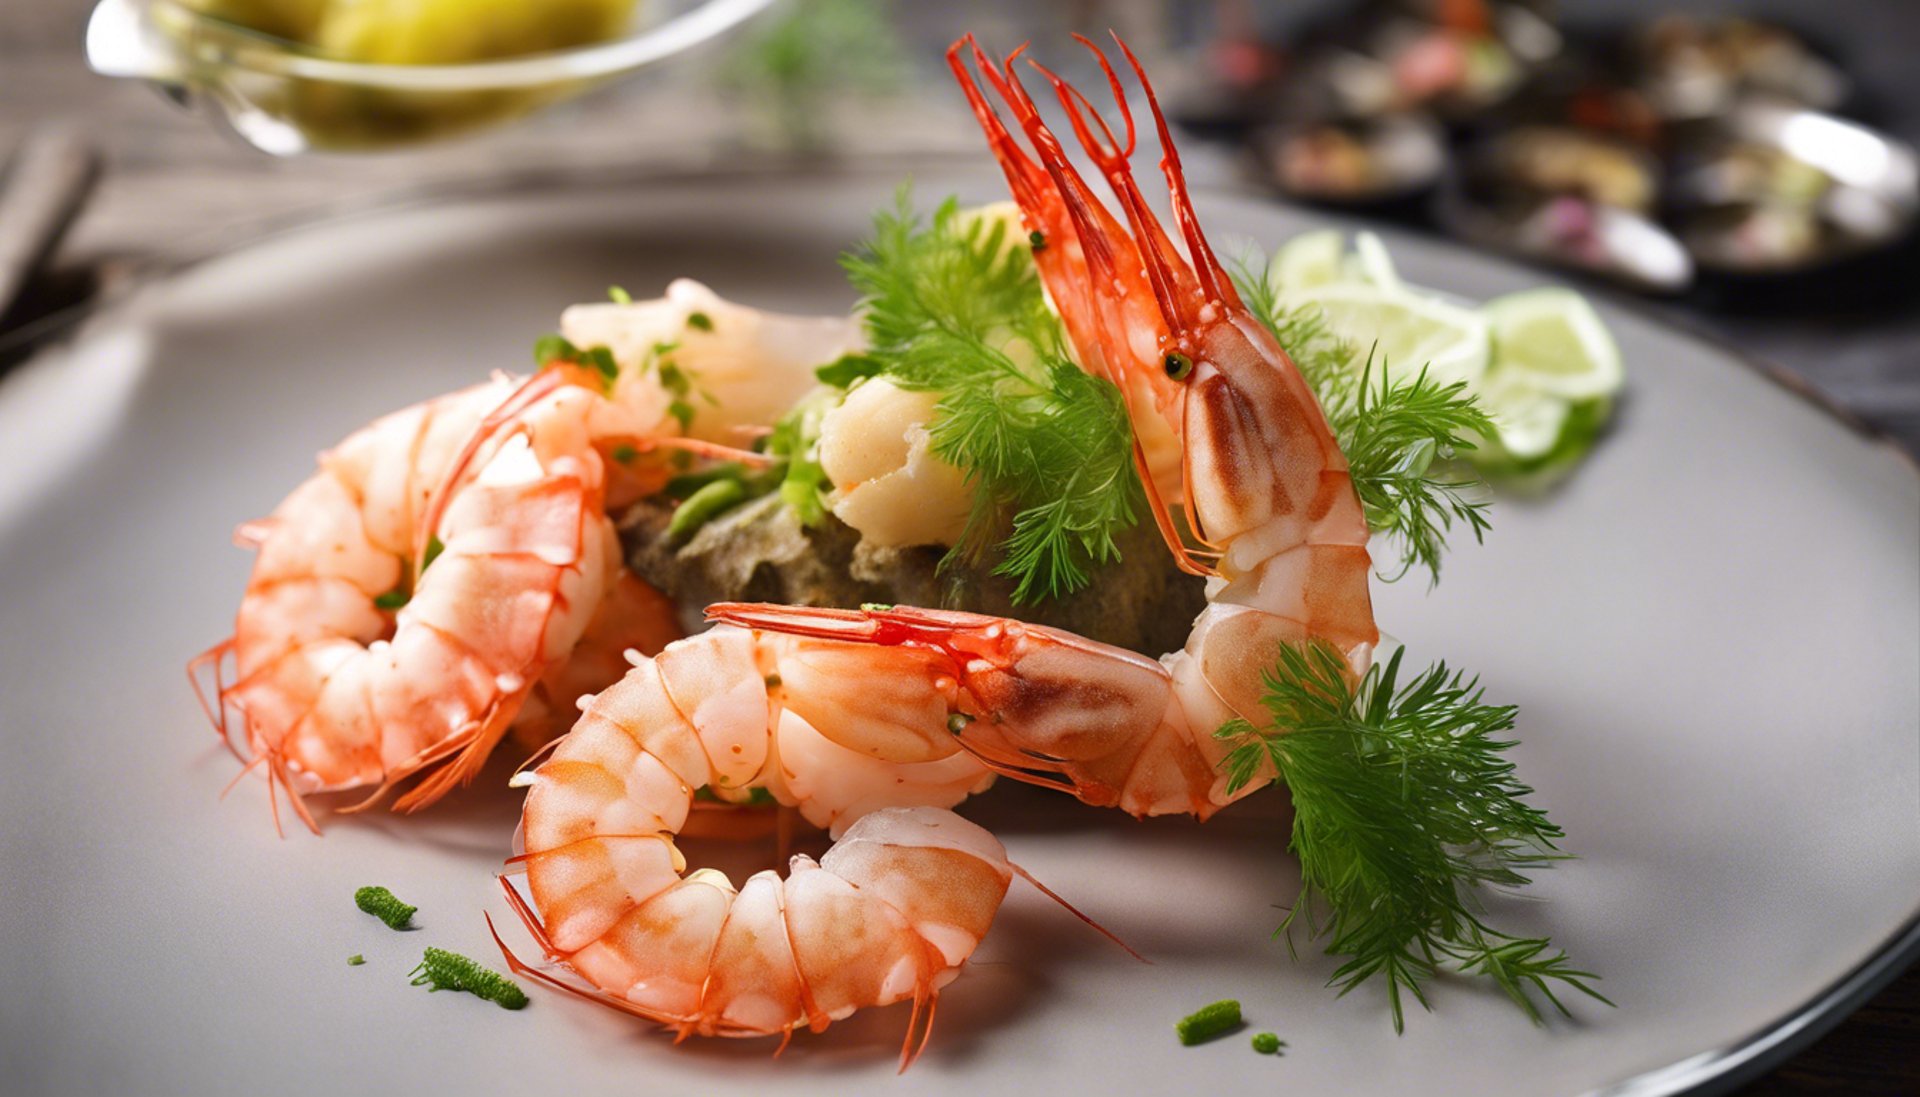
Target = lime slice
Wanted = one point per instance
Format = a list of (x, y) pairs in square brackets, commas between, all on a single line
[(1529, 421), (1308, 260), (1404, 331), (1372, 263), (1555, 341)]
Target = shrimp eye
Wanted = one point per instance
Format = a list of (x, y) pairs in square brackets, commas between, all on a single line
[(1179, 366)]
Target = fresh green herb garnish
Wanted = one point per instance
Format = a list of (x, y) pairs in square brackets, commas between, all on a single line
[(356, 960), (794, 446), (551, 348), (1404, 808), (392, 599), (700, 321), (624, 453), (1208, 1022), (435, 546), (619, 295), (1266, 1043), (843, 371), (703, 506), (380, 903), (443, 970), (1393, 432), (950, 309)]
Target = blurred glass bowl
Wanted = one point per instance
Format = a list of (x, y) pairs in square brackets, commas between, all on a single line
[(284, 98)]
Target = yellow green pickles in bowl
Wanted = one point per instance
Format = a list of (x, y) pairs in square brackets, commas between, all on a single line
[(293, 76)]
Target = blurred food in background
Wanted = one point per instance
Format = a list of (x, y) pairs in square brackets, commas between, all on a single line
[(1660, 155), (795, 66)]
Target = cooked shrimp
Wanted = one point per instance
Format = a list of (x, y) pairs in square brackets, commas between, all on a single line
[(890, 913), (351, 670), (1266, 492), (356, 665)]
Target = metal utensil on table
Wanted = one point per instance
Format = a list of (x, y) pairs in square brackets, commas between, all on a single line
[(47, 181)]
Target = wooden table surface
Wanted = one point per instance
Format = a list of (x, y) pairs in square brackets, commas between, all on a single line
[(173, 185)]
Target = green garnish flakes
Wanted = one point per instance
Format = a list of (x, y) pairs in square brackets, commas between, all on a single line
[(1266, 1043), (1405, 808), (382, 904), (392, 599), (443, 970), (356, 960), (435, 546), (703, 506), (625, 453), (552, 348), (1047, 447), (1399, 436), (619, 295), (1208, 1022), (700, 321), (843, 371)]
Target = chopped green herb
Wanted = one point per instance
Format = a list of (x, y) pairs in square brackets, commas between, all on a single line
[(1046, 446), (685, 484), (1266, 1043), (1209, 1022), (625, 454), (700, 321), (380, 903), (435, 547), (356, 960), (554, 348), (794, 443), (550, 348), (443, 970), (843, 371), (392, 599), (703, 506), (620, 295), (1405, 807)]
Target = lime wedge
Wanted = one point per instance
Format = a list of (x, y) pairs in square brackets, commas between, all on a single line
[(1308, 260), (1372, 263), (1402, 330), (1553, 341), (1529, 421)]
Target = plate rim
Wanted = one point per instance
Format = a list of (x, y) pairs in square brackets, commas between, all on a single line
[(1714, 1071)]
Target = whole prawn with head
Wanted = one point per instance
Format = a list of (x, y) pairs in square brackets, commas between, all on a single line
[(1261, 479), (888, 715)]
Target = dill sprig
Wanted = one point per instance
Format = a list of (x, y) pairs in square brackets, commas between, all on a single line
[(954, 306), (1405, 807), (443, 970), (1399, 435)]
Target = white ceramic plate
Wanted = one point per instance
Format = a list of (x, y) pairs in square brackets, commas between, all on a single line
[(1712, 632)]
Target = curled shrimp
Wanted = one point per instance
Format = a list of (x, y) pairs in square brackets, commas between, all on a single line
[(890, 913), (450, 572), (435, 572), (1263, 484)]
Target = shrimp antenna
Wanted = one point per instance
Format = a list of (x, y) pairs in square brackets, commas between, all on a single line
[(1075, 911)]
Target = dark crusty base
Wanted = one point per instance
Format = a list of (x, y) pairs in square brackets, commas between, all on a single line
[(759, 552)]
